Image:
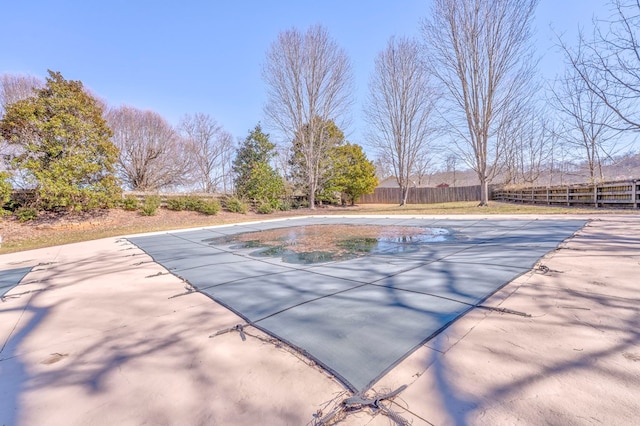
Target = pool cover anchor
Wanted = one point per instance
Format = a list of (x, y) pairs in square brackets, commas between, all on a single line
[(238, 327), (544, 269), (358, 402)]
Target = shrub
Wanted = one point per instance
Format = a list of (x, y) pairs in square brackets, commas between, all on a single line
[(130, 203), (177, 204), (192, 203), (265, 208), (208, 207), (284, 206), (300, 204), (188, 202), (236, 205), (5, 189), (25, 214), (150, 206)]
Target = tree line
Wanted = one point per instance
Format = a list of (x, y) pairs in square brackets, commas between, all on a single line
[(74, 152), (467, 91), (489, 105)]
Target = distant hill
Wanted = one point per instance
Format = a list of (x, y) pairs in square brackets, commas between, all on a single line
[(619, 168)]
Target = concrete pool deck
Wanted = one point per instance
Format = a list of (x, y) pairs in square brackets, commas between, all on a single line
[(93, 336)]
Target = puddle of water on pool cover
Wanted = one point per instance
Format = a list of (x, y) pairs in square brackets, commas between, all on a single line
[(326, 243)]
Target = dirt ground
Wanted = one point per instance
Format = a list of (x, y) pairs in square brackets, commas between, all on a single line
[(50, 224)]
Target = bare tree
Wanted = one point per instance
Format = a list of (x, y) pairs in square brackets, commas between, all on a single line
[(15, 87), (531, 139), (210, 148), (399, 110), (559, 163), (451, 161), (588, 125), (480, 50), (423, 169), (152, 154), (609, 63), (309, 84), (226, 165), (383, 168), (282, 161)]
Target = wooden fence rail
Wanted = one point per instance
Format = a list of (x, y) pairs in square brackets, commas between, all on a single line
[(620, 194), (422, 195)]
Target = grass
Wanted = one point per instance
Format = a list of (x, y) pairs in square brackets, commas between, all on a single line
[(68, 236), (471, 207), (60, 238)]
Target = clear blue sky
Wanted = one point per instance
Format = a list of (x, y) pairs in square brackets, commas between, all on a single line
[(177, 57)]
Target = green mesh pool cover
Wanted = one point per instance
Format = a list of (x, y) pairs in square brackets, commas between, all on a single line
[(11, 278), (360, 314)]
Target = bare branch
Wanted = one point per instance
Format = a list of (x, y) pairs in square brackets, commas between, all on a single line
[(152, 154), (400, 110), (480, 51), (13, 88), (16, 87), (609, 62), (588, 125), (210, 148), (309, 84)]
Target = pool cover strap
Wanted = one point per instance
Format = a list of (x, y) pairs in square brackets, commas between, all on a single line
[(373, 402), (358, 402)]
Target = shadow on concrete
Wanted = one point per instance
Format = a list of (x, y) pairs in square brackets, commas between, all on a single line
[(14, 377), (112, 364), (607, 328)]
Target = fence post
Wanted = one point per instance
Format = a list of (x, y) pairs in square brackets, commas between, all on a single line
[(595, 194), (548, 198), (568, 201), (634, 193)]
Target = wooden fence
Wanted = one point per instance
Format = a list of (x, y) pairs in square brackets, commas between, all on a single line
[(423, 195), (621, 194)]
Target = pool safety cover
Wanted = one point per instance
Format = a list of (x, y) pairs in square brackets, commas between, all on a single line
[(358, 317), (11, 278)]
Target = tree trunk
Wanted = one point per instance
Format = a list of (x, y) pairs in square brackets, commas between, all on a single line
[(484, 192), (404, 193), (312, 199)]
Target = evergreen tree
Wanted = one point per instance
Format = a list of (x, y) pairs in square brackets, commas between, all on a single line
[(64, 146), (255, 179), (352, 173)]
